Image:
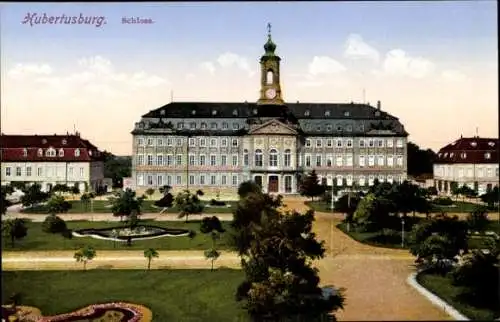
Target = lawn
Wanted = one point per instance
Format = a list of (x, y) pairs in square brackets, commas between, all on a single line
[(442, 287), (320, 206), (172, 295), (39, 240), (103, 206), (458, 207)]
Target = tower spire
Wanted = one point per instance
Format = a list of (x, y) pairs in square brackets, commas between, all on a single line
[(269, 46), (269, 30)]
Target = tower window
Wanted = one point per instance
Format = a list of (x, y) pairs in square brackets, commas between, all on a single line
[(306, 113), (269, 77), (327, 113)]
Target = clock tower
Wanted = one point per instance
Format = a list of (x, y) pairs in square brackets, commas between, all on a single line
[(270, 89)]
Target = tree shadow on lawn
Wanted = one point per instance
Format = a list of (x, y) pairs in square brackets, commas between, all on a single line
[(21, 245)]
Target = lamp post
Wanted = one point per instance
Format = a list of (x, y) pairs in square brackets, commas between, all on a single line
[(402, 232), (331, 205)]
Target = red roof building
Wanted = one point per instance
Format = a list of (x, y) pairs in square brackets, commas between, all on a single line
[(468, 161), (51, 159)]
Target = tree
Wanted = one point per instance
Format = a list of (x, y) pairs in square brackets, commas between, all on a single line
[(420, 162), (85, 200), (61, 188), (75, 190), (248, 187), (491, 197), (117, 168), (57, 205), (454, 189), (189, 203), (4, 203), (276, 251), (166, 201), (310, 186), (478, 219), (84, 255), (347, 205), (165, 189), (150, 253), (33, 195), (125, 204), (14, 229), (150, 192), (432, 191), (54, 224), (212, 226)]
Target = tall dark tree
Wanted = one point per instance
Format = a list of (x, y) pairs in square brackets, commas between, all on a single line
[(5, 190), (212, 226), (247, 187), (126, 204), (310, 186), (189, 203), (14, 229), (491, 197), (420, 162), (33, 195)]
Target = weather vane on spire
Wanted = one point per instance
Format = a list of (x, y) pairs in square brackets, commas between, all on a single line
[(269, 29)]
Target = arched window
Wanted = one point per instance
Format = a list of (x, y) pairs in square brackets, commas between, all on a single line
[(258, 158), (269, 77), (273, 158), (287, 158), (77, 152), (245, 158), (61, 152), (40, 152)]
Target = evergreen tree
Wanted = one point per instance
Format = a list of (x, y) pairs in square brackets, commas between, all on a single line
[(310, 186)]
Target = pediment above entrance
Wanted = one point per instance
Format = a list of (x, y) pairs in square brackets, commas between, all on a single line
[(273, 127)]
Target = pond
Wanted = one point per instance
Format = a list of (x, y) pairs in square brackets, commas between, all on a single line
[(140, 232)]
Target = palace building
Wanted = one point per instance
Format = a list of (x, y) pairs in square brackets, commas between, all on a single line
[(214, 146)]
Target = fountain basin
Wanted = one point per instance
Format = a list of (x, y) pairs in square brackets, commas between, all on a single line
[(122, 234)]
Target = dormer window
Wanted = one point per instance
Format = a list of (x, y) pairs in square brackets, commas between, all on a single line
[(40, 152), (327, 113), (193, 112), (162, 112), (44, 141), (50, 152), (439, 154), (473, 144), (346, 113), (491, 143), (446, 154), (454, 143), (64, 142), (318, 128), (25, 152), (235, 112), (487, 155), (203, 125), (90, 152), (77, 152), (452, 154), (180, 125), (255, 111), (192, 125), (463, 155), (329, 127), (339, 128), (349, 128), (61, 152), (377, 113), (306, 113), (214, 112), (213, 126)]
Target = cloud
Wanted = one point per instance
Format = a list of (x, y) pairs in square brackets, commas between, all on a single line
[(21, 71), (325, 65), (356, 48), (208, 66), (397, 62), (230, 59), (190, 76), (453, 75), (310, 83)]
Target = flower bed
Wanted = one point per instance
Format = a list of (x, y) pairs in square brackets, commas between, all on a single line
[(141, 232)]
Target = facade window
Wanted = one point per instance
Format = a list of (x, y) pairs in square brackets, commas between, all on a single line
[(140, 180), (213, 142), (236, 126), (140, 141), (70, 172), (178, 180), (202, 179), (390, 143), (329, 160), (170, 160), (361, 143), (235, 180), (223, 142), (308, 161), (361, 160), (273, 158), (338, 161), (399, 143), (390, 179), (150, 141), (39, 172), (81, 172), (159, 142), (287, 158), (203, 125), (180, 125), (192, 142), (159, 159), (140, 159), (225, 126), (371, 180), (169, 180), (318, 160), (288, 184), (349, 143), (40, 152), (223, 180), (380, 160), (178, 159), (399, 160), (213, 160), (150, 159), (339, 143), (191, 179), (381, 178), (213, 126), (234, 160), (327, 113), (349, 161), (48, 153), (362, 180), (390, 161), (349, 128), (380, 143), (28, 171), (203, 160), (18, 171), (192, 160), (223, 160), (308, 142), (169, 142), (339, 181), (318, 143), (150, 180), (25, 152), (258, 158), (370, 143), (192, 125), (349, 180), (329, 143), (213, 180), (371, 160), (203, 142), (178, 142), (234, 142), (245, 158)]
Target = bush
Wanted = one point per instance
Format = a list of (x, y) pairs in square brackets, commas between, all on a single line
[(54, 224), (218, 203), (444, 201), (68, 233)]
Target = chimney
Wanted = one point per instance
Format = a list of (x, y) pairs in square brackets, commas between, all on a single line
[(378, 105)]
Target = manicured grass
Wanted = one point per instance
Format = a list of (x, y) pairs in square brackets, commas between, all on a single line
[(102, 206), (320, 206), (442, 287), (172, 295), (39, 240), (458, 207)]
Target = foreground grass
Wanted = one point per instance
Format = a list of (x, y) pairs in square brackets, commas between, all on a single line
[(39, 240), (103, 206), (172, 295), (442, 286)]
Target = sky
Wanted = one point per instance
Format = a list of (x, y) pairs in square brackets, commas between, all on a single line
[(434, 65)]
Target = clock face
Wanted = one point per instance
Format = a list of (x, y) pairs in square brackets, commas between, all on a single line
[(271, 93)]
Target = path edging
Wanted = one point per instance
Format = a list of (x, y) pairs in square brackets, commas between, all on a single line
[(434, 299)]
